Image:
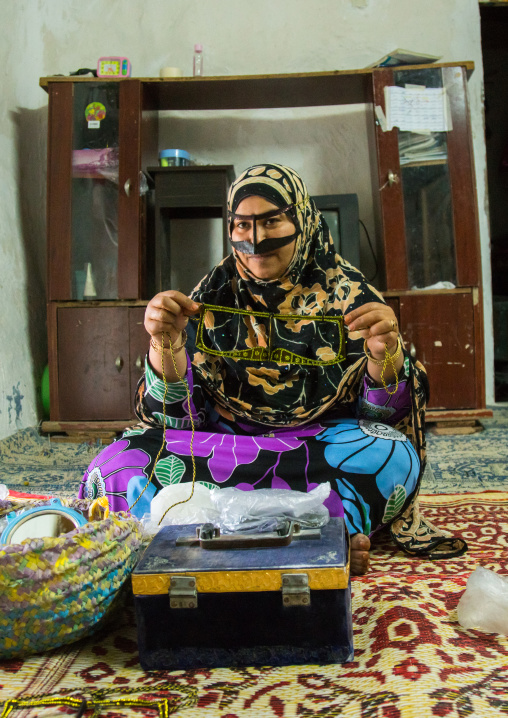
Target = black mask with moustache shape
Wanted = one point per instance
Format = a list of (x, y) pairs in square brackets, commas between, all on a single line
[(270, 244)]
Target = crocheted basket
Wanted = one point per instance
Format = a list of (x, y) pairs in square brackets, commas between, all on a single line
[(54, 591)]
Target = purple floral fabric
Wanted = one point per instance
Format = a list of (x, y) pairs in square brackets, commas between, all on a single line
[(392, 406), (110, 472), (372, 471), (348, 453)]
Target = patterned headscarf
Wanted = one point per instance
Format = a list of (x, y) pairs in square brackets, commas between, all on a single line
[(317, 282)]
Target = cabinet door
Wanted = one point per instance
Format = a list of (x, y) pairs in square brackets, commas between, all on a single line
[(94, 205), (138, 346), (439, 328), (101, 356), (93, 363), (426, 181), (131, 251)]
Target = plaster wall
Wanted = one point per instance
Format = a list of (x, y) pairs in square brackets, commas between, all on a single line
[(38, 38)]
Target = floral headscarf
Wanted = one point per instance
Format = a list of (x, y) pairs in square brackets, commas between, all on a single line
[(318, 282)]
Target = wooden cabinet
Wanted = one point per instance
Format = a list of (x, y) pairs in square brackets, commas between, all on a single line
[(99, 355), (431, 239), (98, 140), (439, 329), (427, 188), (97, 224)]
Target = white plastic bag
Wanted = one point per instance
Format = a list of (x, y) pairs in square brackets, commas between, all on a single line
[(266, 509), (199, 509), (484, 604), (236, 510)]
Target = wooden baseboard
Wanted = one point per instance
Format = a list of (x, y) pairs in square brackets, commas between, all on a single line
[(84, 427), (453, 429), (459, 421), (438, 415), (84, 432)]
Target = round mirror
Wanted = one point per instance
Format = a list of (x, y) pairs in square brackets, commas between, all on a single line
[(49, 520)]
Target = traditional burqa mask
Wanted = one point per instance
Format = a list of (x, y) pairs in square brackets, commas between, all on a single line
[(242, 226)]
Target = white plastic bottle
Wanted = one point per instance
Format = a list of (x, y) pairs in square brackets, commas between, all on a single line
[(198, 59)]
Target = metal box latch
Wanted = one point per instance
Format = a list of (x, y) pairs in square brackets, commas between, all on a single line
[(295, 589), (182, 592)]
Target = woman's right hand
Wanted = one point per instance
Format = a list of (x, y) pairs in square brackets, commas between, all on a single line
[(168, 313)]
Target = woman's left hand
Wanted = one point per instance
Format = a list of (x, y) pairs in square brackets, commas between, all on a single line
[(376, 323)]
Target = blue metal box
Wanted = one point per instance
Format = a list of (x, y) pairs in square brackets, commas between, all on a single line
[(198, 606)]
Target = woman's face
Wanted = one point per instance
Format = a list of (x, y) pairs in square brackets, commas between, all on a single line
[(269, 265)]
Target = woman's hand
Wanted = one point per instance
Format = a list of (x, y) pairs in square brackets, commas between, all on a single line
[(377, 324), (168, 313)]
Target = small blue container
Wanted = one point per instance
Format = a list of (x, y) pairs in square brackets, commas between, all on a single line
[(174, 158)]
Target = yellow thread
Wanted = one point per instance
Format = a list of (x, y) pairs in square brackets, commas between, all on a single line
[(388, 359), (184, 501), (190, 417), (163, 427), (158, 347), (394, 356), (99, 509), (98, 699)]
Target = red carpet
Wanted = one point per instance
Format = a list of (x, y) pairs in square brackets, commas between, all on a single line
[(412, 658)]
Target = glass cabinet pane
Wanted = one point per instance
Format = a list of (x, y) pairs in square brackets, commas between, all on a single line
[(94, 220), (427, 195)]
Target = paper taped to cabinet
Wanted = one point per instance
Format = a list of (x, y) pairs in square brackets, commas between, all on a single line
[(417, 109)]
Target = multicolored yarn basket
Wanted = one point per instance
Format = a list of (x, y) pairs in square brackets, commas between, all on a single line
[(54, 591)]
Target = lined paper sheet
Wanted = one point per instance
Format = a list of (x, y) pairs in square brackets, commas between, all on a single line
[(416, 109)]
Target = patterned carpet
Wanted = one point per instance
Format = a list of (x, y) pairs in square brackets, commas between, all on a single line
[(30, 463), (471, 462), (412, 658)]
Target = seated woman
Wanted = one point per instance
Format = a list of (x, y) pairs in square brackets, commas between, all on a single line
[(283, 369)]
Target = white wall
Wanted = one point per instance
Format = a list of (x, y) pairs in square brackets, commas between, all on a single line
[(240, 37)]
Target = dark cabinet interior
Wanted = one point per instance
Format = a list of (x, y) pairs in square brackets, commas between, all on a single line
[(185, 193)]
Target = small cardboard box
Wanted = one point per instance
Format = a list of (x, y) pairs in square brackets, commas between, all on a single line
[(201, 605)]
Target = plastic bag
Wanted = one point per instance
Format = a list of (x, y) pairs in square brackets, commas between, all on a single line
[(484, 604), (268, 509), (232, 509), (199, 509)]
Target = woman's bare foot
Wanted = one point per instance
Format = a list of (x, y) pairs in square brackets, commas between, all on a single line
[(360, 545)]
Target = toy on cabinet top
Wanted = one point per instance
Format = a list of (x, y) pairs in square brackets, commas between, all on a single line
[(113, 67)]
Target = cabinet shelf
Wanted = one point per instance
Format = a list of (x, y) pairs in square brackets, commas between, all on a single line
[(89, 174), (423, 163), (423, 292), (227, 92)]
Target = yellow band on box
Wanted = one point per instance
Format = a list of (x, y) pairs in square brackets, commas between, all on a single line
[(320, 579)]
